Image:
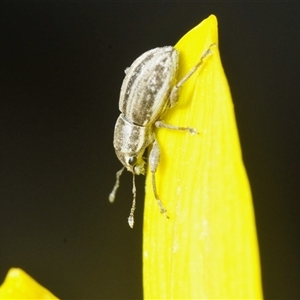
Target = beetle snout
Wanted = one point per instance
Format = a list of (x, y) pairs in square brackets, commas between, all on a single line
[(140, 168)]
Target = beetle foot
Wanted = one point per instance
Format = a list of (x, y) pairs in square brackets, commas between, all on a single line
[(161, 124), (162, 209)]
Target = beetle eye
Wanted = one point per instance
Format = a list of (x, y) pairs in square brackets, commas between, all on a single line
[(132, 160)]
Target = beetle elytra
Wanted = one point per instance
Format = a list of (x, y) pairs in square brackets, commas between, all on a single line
[(148, 90)]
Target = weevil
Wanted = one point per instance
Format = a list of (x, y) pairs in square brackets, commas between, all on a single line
[(148, 90)]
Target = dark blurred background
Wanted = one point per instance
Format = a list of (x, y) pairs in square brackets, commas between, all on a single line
[(61, 68)]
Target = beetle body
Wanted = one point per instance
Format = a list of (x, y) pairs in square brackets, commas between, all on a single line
[(144, 98), (148, 90), (146, 87)]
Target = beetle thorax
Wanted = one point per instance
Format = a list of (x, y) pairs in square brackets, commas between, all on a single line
[(130, 142)]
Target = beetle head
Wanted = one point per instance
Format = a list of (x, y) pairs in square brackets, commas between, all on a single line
[(134, 164)]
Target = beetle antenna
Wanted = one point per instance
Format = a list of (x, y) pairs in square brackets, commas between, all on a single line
[(112, 195), (133, 206)]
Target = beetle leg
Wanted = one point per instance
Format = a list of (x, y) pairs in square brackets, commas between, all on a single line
[(161, 124), (154, 158), (175, 90)]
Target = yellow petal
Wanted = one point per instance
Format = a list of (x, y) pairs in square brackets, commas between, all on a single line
[(208, 248), (19, 285)]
